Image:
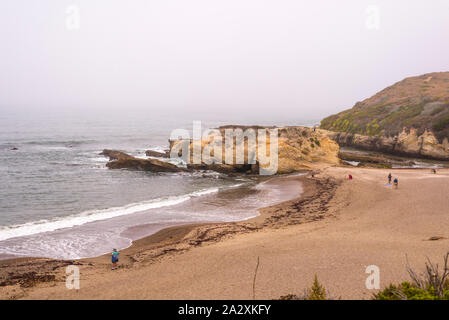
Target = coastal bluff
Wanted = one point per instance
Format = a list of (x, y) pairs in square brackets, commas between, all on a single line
[(409, 118), (299, 148), (303, 148), (407, 143)]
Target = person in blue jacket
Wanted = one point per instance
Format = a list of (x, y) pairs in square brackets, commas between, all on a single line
[(114, 258)]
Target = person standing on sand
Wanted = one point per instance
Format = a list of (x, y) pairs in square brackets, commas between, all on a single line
[(114, 258), (389, 178), (396, 183)]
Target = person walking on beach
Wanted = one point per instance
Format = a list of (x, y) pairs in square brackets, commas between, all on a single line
[(114, 258), (396, 183), (389, 178)]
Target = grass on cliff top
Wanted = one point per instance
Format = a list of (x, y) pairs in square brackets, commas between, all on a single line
[(382, 119)]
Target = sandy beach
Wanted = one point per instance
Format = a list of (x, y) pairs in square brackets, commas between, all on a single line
[(335, 229)]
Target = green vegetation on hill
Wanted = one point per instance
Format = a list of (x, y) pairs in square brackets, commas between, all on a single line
[(419, 102)]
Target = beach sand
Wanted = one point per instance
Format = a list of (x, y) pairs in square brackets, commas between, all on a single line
[(335, 230)]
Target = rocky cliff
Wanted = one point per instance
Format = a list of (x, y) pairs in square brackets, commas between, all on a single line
[(299, 148), (410, 118), (406, 143), (305, 148)]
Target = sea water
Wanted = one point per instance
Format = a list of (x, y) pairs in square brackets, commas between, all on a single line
[(58, 199)]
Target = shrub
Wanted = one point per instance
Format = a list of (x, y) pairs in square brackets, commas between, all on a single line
[(408, 291), (442, 123), (316, 292), (431, 285)]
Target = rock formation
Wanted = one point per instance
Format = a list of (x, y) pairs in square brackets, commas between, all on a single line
[(406, 143), (376, 160), (115, 155), (409, 118), (299, 148), (157, 154), (121, 160)]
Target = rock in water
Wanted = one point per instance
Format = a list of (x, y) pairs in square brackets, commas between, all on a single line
[(121, 160), (157, 154), (115, 155), (299, 148)]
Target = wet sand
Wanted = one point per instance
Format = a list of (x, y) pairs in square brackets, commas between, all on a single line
[(336, 229), (237, 202)]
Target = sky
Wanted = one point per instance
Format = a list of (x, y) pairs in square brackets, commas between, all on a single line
[(283, 58)]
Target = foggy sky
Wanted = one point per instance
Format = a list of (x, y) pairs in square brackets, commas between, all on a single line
[(308, 59)]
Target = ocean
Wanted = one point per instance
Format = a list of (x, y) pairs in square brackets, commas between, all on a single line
[(58, 199)]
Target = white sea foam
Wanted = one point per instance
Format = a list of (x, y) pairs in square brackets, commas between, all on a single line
[(99, 159), (158, 148), (30, 228), (204, 192)]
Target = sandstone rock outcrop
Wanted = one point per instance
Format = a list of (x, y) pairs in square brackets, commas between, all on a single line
[(305, 148), (408, 118), (406, 143), (377, 160), (299, 148)]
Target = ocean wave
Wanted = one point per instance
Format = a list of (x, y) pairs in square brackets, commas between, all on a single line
[(31, 228), (99, 159), (58, 142), (158, 149)]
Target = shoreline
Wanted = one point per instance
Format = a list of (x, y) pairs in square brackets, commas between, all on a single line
[(27, 272), (189, 208), (335, 230), (178, 239)]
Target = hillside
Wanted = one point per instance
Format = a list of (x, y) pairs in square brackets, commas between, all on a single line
[(420, 103)]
